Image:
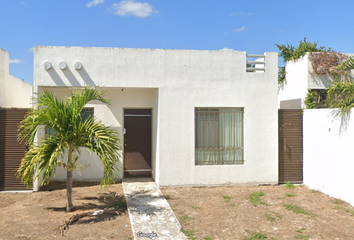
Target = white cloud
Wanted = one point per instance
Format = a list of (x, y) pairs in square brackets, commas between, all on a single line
[(241, 29), (15, 61), (22, 3), (132, 8), (225, 49), (31, 49), (94, 3)]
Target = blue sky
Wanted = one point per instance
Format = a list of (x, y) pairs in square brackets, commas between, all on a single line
[(252, 26)]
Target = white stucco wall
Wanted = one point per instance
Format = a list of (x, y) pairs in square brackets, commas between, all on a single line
[(181, 80), (292, 93), (328, 155), (14, 93)]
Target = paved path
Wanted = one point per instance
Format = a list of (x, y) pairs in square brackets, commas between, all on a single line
[(150, 215)]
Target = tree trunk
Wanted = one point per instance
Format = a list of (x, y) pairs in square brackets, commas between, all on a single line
[(69, 181)]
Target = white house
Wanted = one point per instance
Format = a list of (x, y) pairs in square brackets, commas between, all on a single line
[(186, 117)]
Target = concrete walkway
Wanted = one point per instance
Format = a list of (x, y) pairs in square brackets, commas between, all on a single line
[(150, 215)]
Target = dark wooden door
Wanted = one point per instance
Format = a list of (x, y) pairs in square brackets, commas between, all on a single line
[(137, 143), (290, 146), (11, 151)]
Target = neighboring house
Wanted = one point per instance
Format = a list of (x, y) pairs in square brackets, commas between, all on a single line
[(15, 99), (327, 142), (300, 78), (185, 117), (14, 93)]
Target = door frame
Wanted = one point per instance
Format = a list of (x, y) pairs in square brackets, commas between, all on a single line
[(151, 140)]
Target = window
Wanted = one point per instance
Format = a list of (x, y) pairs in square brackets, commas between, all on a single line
[(218, 136), (85, 113)]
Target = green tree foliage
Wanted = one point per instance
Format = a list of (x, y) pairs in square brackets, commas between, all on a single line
[(316, 98), (71, 132), (289, 52)]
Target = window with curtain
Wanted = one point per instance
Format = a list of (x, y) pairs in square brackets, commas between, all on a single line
[(85, 113), (218, 136)]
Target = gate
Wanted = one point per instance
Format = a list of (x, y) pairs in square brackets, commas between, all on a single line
[(290, 146), (11, 151)]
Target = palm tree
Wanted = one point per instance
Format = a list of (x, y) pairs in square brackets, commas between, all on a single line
[(71, 132)]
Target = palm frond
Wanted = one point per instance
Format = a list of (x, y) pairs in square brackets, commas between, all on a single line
[(41, 159), (105, 143)]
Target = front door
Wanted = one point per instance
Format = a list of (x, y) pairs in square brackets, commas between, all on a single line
[(137, 143)]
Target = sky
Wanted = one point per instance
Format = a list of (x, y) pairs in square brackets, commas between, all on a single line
[(251, 26)]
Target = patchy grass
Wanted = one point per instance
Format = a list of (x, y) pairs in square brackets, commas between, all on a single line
[(269, 217), (188, 233), (219, 220), (289, 194), (345, 209), (277, 215), (256, 236), (300, 235), (289, 185), (184, 219), (338, 201), (194, 207), (227, 198), (255, 198), (298, 210), (339, 205), (167, 196), (272, 216), (207, 238)]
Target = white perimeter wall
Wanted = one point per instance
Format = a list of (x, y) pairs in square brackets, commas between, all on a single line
[(328, 155), (14, 93), (183, 80)]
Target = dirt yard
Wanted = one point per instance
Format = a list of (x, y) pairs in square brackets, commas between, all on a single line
[(39, 215), (275, 212), (265, 212)]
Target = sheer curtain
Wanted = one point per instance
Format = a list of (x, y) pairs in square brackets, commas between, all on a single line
[(219, 136)]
